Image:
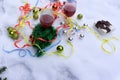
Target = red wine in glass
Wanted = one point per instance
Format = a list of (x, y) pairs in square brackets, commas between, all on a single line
[(69, 10), (46, 20)]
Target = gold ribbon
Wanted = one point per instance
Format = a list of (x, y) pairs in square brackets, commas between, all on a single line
[(40, 48), (107, 41), (22, 24), (24, 37), (104, 41)]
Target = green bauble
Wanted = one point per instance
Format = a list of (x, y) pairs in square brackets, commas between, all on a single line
[(15, 36), (79, 16), (60, 48), (45, 33), (9, 29), (13, 33), (35, 16)]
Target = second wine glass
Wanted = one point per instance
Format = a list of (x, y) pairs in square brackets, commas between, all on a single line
[(69, 8)]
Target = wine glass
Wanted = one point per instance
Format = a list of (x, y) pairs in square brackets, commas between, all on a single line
[(46, 18), (69, 8)]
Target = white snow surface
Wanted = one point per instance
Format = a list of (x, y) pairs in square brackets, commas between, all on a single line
[(88, 62)]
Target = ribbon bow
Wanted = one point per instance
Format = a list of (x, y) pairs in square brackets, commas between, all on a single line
[(25, 9)]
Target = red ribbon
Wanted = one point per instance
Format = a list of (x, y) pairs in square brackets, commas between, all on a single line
[(16, 44), (25, 9)]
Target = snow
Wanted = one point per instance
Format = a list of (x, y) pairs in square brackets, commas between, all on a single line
[(88, 62)]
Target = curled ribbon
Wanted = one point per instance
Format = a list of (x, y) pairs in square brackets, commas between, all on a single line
[(70, 24), (21, 52), (104, 41), (40, 50), (23, 21), (25, 45), (24, 37), (58, 5), (107, 41), (25, 9)]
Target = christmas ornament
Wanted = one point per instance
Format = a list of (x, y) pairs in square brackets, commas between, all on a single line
[(75, 27), (36, 13), (64, 31), (60, 48), (54, 7), (79, 16), (62, 23), (70, 38), (81, 36), (13, 33)]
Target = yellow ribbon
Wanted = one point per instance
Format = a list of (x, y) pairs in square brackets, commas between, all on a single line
[(107, 41), (40, 48), (60, 54), (22, 21), (23, 24), (24, 37), (70, 23), (104, 41), (71, 45), (93, 32)]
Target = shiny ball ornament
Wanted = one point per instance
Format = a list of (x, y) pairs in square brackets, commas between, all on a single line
[(79, 16), (64, 31), (72, 32), (62, 23), (13, 33), (36, 10), (60, 48), (81, 36), (70, 38), (36, 13), (35, 16), (15, 36), (74, 27), (54, 7), (9, 29), (64, 2)]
